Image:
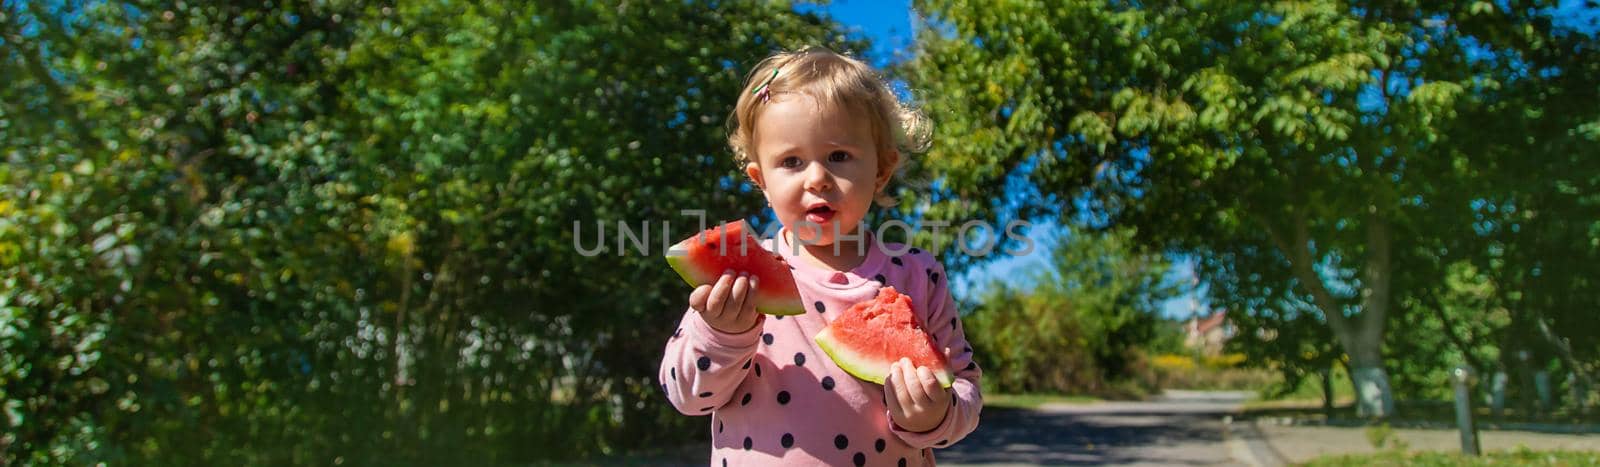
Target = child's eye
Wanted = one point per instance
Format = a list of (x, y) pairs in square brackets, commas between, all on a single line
[(838, 156), (789, 162)]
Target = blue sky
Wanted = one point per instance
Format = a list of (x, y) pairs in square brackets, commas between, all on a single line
[(888, 24)]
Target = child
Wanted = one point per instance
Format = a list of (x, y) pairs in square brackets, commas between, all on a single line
[(820, 134)]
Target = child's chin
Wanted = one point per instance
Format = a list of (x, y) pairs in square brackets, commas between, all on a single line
[(812, 233), (806, 238)]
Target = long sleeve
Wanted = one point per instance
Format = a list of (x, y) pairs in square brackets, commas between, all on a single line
[(944, 322), (703, 366)]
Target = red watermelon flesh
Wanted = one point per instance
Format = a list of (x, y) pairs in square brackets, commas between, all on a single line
[(702, 259), (871, 335)]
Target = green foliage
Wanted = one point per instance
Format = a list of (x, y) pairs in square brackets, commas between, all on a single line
[(1383, 437), (1327, 163), (344, 233), (1081, 327)]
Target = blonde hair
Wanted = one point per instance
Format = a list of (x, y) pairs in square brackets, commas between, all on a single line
[(836, 80)]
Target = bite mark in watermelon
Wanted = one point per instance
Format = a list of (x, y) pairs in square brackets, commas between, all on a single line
[(702, 258), (870, 336)]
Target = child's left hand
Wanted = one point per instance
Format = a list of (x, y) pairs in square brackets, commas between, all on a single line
[(916, 401)]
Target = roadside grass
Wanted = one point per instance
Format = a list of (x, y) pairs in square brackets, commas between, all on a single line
[(1033, 401), (1519, 457)]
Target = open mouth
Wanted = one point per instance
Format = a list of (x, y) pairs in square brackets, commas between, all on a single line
[(819, 214)]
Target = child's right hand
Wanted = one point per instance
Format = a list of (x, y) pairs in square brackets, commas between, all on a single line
[(729, 305)]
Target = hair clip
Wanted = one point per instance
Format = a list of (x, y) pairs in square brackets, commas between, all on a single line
[(764, 91)]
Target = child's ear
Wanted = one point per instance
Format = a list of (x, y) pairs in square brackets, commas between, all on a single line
[(888, 160), (753, 171)]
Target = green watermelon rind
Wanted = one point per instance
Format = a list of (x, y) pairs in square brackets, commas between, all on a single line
[(860, 367), (768, 304), (685, 270)]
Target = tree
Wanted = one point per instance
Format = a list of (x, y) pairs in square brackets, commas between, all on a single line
[(1079, 323), (1306, 148), (333, 232)]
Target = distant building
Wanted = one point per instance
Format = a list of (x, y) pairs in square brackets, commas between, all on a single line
[(1207, 334)]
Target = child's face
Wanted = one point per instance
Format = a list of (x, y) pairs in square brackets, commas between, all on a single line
[(816, 164)]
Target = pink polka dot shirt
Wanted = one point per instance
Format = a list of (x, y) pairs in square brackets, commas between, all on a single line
[(775, 398)]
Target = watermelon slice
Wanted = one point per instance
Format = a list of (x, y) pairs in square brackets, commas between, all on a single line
[(871, 335), (701, 259)]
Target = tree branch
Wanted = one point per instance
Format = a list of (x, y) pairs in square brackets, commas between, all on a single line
[(1376, 275), (1450, 332), (1299, 256)]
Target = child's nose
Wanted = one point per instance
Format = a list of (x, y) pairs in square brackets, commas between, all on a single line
[(818, 179)]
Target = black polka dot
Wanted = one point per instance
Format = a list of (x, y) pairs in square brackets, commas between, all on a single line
[(783, 397), (678, 333), (942, 442), (705, 394), (934, 278), (664, 388), (820, 308), (902, 462), (725, 462), (896, 261), (827, 383), (704, 363), (968, 349), (719, 426), (706, 409), (880, 445), (952, 322), (880, 279), (915, 251), (860, 459), (971, 366), (841, 442), (767, 338), (748, 443), (758, 370), (674, 372), (777, 317), (746, 365), (788, 440), (745, 400), (800, 359)]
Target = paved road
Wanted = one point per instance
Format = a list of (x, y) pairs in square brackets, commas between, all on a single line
[(1179, 428)]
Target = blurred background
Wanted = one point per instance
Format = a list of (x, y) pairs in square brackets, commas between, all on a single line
[(338, 232)]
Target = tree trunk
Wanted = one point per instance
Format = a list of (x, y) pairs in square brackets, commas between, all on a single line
[(1327, 392), (1373, 396), (1361, 334)]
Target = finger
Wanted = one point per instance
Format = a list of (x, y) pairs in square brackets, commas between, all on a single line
[(697, 298), (735, 303), (930, 386), (719, 296), (747, 314), (750, 294), (915, 386), (889, 391), (909, 385), (903, 397)]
